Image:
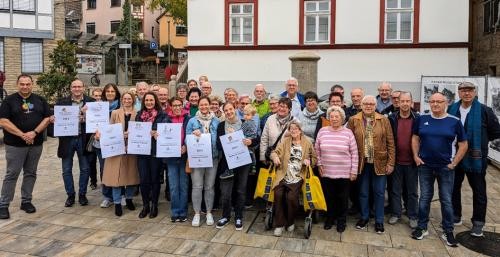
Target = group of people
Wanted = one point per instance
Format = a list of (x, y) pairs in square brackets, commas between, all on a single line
[(359, 147)]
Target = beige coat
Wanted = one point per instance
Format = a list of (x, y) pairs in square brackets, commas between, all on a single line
[(120, 170), (282, 151), (270, 134), (383, 141)]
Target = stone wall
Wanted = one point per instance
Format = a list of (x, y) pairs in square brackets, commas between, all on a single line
[(12, 49), (485, 47)]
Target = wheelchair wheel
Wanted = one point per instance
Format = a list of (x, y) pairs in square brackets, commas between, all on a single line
[(307, 227), (268, 221)]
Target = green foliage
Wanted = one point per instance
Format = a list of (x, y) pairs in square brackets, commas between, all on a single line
[(129, 26), (176, 8), (62, 71)]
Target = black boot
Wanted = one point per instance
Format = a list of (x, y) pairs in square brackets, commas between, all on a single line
[(130, 204), (118, 210), (154, 211), (144, 212), (70, 201)]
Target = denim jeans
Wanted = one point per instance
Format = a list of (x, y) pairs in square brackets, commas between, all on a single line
[(106, 191), (404, 176), (477, 182), (76, 146), (366, 178), (178, 184), (117, 193), (238, 182), (149, 174), (426, 177), (203, 181)]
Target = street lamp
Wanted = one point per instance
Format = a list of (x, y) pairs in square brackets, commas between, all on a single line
[(168, 42)]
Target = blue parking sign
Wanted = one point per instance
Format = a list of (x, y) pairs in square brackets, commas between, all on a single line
[(153, 45)]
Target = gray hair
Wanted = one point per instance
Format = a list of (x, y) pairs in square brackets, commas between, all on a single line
[(335, 109), (294, 79), (385, 84), (141, 83), (369, 98), (275, 97), (406, 93)]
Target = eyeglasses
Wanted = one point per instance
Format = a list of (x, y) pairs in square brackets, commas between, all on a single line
[(177, 105), (369, 104), (436, 102)]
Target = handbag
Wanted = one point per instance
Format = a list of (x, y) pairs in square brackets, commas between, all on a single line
[(90, 144), (312, 192), (265, 184), (270, 149)]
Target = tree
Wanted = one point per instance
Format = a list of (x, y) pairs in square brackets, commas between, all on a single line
[(128, 22), (176, 8), (62, 71)]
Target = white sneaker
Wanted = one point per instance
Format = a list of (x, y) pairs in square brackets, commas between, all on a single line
[(291, 228), (105, 203), (210, 219), (278, 231), (196, 220), (124, 202)]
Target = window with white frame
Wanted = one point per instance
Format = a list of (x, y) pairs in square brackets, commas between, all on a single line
[(399, 21), (2, 68), (241, 23), (32, 56), (317, 21), (23, 5), (4, 4)]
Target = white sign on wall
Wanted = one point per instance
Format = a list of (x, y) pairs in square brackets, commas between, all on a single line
[(449, 87), (89, 63)]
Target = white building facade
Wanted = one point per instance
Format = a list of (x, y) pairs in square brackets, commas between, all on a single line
[(238, 43)]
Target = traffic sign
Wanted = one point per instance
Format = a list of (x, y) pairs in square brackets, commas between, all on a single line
[(153, 45), (125, 46)]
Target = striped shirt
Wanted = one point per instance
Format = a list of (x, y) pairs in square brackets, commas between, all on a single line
[(337, 152)]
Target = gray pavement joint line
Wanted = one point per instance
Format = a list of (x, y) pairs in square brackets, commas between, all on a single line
[(253, 221)]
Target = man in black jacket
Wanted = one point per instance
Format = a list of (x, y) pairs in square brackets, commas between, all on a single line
[(482, 126), (69, 145)]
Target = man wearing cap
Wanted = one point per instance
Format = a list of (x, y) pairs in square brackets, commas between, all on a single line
[(482, 126)]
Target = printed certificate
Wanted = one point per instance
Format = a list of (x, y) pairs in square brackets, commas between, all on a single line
[(67, 120)]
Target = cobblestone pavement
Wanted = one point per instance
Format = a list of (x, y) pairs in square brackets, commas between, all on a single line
[(92, 231)]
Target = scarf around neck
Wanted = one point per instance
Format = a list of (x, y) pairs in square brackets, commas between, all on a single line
[(369, 148), (149, 115), (205, 120), (283, 121), (472, 161), (312, 115), (114, 105), (235, 124)]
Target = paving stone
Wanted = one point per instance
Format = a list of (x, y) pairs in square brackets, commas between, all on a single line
[(77, 250), (193, 233), (340, 249), (429, 244), (110, 238), (53, 248), (252, 240), (156, 254), (72, 234), (142, 242), (363, 237), (114, 252), (243, 251), (22, 244), (165, 245), (378, 251), (202, 248), (296, 245)]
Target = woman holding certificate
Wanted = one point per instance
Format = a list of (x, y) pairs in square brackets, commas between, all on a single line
[(149, 165), (203, 179), (177, 176), (239, 180), (291, 156), (121, 171)]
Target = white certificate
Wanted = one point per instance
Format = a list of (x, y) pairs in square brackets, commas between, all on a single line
[(139, 138), (67, 120), (236, 152), (112, 141), (97, 114), (168, 142), (199, 151)]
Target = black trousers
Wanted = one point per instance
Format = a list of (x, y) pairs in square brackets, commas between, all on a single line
[(92, 159), (238, 183), (337, 197), (477, 182)]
